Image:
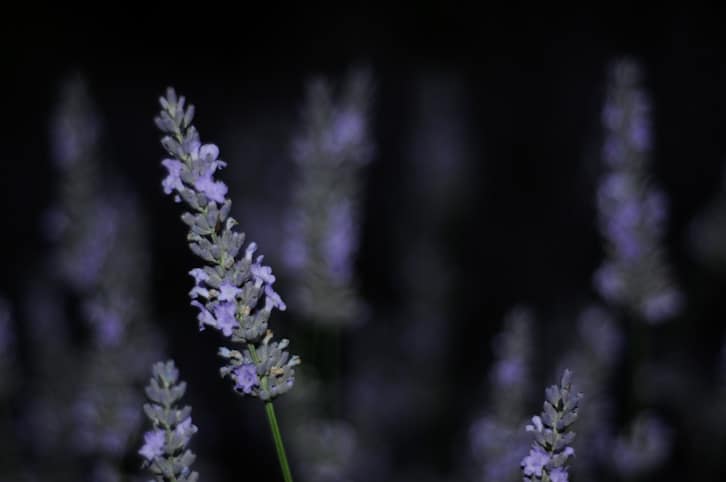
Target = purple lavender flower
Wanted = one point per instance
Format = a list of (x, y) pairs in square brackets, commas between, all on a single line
[(173, 181), (496, 439), (153, 444), (225, 320), (632, 211), (535, 462), (246, 377), (165, 448), (558, 475), (552, 433), (227, 292), (228, 289), (594, 356)]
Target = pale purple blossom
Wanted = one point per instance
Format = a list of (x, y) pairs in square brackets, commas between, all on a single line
[(533, 463), (173, 180), (558, 475), (209, 154), (153, 444), (204, 317), (214, 190), (228, 292), (198, 291), (250, 251), (224, 313), (272, 299), (246, 378), (262, 274), (185, 429), (199, 275)]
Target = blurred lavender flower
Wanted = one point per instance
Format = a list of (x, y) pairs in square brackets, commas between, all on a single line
[(645, 448), (326, 450), (632, 211), (81, 225), (228, 289), (165, 449), (101, 257), (594, 356), (330, 152), (496, 439), (551, 449)]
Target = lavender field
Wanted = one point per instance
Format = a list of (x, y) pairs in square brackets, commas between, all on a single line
[(352, 248)]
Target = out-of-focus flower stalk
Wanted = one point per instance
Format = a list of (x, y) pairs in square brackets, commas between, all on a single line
[(331, 150), (632, 210)]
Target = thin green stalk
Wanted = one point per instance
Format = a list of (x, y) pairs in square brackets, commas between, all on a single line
[(274, 427)]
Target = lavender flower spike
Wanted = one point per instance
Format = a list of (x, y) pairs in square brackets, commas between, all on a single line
[(551, 449), (165, 449), (228, 289), (632, 211), (331, 151)]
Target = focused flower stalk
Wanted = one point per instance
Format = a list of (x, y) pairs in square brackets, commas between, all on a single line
[(233, 292), (165, 449), (547, 459)]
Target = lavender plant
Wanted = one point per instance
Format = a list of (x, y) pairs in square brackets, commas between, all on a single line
[(594, 356), (551, 449), (99, 280), (632, 210), (496, 439), (644, 448), (102, 259), (330, 152), (229, 288), (165, 450)]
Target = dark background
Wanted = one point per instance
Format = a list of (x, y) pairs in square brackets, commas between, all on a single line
[(524, 226)]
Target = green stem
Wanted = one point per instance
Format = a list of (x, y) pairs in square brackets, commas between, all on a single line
[(279, 447), (274, 427)]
